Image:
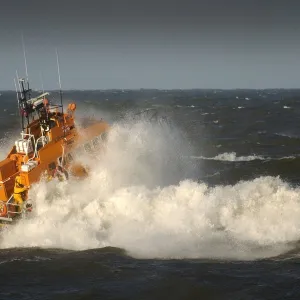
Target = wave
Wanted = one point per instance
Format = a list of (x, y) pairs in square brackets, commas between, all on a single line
[(138, 198), (289, 135), (230, 156)]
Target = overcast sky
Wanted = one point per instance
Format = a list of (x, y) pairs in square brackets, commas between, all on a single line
[(152, 44)]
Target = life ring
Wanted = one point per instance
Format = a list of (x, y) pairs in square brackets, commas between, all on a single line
[(3, 209)]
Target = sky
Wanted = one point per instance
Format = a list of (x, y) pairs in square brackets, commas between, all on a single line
[(159, 44)]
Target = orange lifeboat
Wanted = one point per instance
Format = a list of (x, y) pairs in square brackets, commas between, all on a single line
[(49, 139)]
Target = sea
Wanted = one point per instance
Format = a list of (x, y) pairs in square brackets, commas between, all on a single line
[(195, 195)]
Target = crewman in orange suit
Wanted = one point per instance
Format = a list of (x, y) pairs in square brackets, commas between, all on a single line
[(20, 193)]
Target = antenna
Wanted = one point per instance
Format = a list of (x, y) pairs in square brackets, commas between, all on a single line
[(25, 61), (61, 102), (18, 79), (18, 99), (25, 108), (16, 89), (17, 95), (23, 44)]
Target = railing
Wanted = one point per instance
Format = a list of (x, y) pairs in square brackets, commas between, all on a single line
[(9, 212), (10, 177), (43, 140), (11, 203), (30, 136)]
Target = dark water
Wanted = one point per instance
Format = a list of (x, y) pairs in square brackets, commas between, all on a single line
[(110, 274), (235, 135)]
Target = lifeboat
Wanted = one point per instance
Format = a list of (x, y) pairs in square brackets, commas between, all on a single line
[(48, 145)]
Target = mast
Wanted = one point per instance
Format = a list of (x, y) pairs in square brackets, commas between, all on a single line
[(60, 92), (27, 105), (59, 81), (18, 81), (25, 61), (18, 98), (25, 108), (23, 94)]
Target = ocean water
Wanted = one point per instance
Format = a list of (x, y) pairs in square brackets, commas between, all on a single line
[(195, 197)]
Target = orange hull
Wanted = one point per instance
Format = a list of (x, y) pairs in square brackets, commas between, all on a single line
[(41, 150)]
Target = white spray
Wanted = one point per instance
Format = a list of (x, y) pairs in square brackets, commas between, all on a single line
[(138, 198)]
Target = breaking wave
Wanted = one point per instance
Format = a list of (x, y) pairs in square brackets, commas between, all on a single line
[(139, 198), (231, 156)]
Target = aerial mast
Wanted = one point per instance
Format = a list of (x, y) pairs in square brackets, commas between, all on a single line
[(18, 98), (59, 81), (25, 61), (24, 92)]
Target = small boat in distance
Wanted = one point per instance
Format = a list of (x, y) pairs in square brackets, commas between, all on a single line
[(49, 143)]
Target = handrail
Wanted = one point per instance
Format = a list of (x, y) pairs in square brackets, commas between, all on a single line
[(30, 136), (12, 204), (10, 177), (44, 140)]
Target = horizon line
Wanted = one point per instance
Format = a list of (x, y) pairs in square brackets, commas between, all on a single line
[(158, 89)]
